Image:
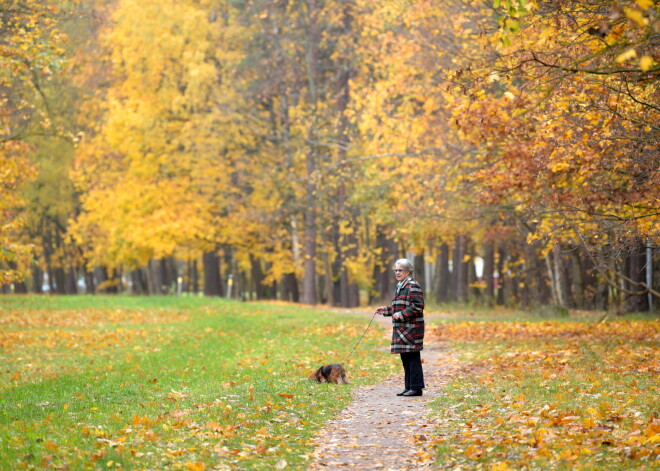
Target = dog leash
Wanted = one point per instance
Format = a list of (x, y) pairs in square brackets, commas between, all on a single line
[(358, 342)]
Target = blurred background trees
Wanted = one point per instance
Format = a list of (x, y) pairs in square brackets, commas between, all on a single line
[(293, 149)]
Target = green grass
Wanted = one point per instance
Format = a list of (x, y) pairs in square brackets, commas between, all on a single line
[(191, 383)]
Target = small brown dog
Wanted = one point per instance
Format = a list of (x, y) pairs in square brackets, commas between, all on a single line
[(334, 373)]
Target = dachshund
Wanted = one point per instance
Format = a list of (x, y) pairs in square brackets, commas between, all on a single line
[(334, 373)]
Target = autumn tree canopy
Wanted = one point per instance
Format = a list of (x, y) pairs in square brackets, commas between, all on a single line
[(509, 146)]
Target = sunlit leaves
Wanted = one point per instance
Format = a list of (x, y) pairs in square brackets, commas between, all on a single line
[(572, 147), (165, 145), (569, 393)]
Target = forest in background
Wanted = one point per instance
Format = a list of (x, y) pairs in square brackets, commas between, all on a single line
[(293, 149)]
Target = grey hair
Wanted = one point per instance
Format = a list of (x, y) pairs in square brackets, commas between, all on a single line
[(405, 264)]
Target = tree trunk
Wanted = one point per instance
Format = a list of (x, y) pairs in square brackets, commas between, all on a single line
[(60, 280), (577, 278), (258, 278), (637, 274), (460, 269), (384, 279), (139, 281), (328, 283), (72, 281), (193, 277), (442, 279), (105, 283), (489, 272), (501, 276), (553, 279), (212, 279), (420, 273), (37, 279), (51, 279), (471, 269), (602, 299), (153, 277), (589, 283), (20, 287), (90, 286), (536, 291), (348, 289), (561, 278), (337, 266), (170, 275), (290, 288), (309, 264), (510, 282)]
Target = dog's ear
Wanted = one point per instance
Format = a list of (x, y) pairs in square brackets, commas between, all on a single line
[(321, 377), (317, 376)]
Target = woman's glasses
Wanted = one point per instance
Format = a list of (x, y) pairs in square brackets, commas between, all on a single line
[(399, 270)]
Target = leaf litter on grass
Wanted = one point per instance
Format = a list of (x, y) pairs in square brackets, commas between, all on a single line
[(175, 391), (539, 394)]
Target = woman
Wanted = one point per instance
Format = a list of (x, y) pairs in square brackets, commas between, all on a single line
[(407, 313)]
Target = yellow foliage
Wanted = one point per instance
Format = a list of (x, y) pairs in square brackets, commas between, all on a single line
[(627, 55), (646, 63)]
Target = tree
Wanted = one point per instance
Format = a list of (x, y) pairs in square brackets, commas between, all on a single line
[(570, 110), (157, 174), (30, 54)]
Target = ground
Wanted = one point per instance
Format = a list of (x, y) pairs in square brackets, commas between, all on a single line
[(380, 430)]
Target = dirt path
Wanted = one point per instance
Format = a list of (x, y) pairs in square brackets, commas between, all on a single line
[(380, 430)]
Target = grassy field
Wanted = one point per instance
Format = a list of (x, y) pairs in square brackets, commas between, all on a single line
[(543, 394), (184, 383), (197, 383)]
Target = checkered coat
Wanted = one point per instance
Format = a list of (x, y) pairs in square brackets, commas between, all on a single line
[(408, 334)]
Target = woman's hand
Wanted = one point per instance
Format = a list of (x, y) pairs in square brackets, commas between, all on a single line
[(382, 310)]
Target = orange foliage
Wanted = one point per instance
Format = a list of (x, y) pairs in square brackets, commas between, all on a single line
[(557, 392)]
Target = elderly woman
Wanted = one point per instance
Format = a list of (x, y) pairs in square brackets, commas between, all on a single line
[(407, 311)]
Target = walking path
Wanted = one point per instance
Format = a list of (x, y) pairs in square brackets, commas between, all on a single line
[(380, 430)]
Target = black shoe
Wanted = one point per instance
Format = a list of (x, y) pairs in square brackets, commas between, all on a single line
[(402, 393), (413, 392)]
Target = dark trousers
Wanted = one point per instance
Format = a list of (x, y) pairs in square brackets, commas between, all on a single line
[(412, 368)]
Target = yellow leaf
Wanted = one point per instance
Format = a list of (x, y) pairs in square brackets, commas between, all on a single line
[(636, 16), (50, 446), (624, 56), (645, 4), (646, 62), (190, 466)]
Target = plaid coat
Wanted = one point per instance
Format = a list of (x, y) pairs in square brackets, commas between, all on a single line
[(408, 334)]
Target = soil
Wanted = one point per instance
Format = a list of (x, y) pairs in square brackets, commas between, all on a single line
[(380, 430)]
